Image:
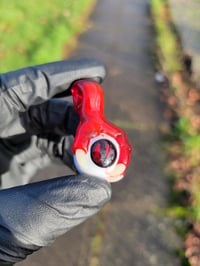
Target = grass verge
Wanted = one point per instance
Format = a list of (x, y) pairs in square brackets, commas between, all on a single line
[(97, 239), (182, 133), (34, 32)]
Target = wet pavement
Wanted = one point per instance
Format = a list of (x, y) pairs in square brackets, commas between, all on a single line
[(132, 229)]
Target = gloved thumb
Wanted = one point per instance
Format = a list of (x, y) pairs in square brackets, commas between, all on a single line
[(34, 215)]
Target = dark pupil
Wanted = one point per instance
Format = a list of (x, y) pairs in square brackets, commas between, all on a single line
[(103, 153)]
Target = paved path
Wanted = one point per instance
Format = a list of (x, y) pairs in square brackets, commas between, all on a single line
[(131, 230)]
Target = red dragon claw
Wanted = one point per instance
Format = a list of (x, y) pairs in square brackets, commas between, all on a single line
[(100, 148)]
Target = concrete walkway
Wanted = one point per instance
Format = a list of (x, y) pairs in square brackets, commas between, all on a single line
[(131, 230)]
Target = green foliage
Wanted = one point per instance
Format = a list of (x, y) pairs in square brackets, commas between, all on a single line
[(178, 212), (157, 8), (33, 32), (168, 48), (183, 128), (184, 260), (190, 142), (191, 148), (165, 38), (196, 198)]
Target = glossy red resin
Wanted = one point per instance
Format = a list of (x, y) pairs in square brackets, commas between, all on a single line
[(88, 99)]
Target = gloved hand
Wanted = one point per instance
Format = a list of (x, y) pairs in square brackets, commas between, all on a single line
[(35, 129)]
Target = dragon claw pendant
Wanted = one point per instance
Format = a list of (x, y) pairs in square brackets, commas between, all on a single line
[(100, 148)]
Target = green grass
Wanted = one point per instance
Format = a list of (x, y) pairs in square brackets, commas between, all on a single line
[(34, 32), (165, 38), (157, 9), (196, 197), (191, 148), (190, 141)]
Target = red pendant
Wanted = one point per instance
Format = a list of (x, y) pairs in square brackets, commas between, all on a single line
[(100, 148)]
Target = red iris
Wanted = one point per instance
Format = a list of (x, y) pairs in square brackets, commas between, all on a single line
[(103, 153)]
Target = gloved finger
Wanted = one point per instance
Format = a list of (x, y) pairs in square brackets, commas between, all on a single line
[(33, 85), (34, 215), (21, 174), (55, 116), (22, 156), (9, 147), (58, 151), (20, 159)]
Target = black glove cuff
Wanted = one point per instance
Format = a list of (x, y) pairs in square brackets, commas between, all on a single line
[(11, 250)]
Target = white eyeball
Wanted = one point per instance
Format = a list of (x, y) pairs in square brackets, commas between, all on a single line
[(101, 158)]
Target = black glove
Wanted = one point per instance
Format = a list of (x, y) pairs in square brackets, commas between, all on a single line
[(22, 93), (35, 129)]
